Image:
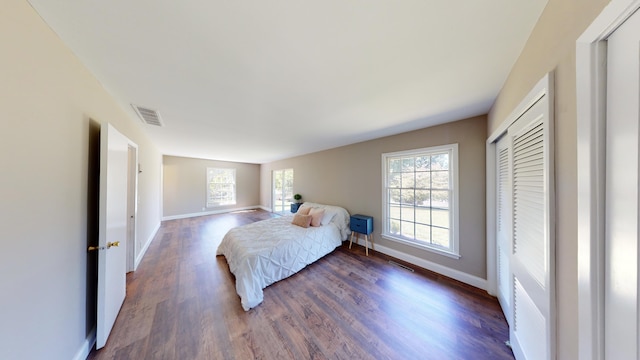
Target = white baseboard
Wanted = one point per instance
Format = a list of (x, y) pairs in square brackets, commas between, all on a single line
[(145, 247), (440, 269), (214, 212), (86, 346)]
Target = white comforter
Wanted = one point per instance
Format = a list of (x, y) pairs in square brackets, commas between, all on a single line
[(267, 251)]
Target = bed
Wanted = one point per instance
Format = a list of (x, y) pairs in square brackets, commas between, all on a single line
[(267, 251)]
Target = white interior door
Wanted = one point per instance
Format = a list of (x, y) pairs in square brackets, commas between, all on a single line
[(622, 208), (503, 224), (112, 255)]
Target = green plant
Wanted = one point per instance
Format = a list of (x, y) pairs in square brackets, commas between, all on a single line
[(297, 197)]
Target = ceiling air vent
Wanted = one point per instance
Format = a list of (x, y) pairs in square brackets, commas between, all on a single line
[(148, 116)]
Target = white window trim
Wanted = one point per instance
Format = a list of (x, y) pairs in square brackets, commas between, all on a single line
[(235, 188), (454, 212)]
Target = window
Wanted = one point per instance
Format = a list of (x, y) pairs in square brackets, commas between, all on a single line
[(420, 198), (282, 190), (221, 187)]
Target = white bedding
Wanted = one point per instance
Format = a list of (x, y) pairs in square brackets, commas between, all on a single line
[(267, 251)]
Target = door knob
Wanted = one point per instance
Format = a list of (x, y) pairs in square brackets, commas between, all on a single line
[(109, 245)]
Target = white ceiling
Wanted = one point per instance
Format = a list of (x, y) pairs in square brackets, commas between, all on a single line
[(256, 81)]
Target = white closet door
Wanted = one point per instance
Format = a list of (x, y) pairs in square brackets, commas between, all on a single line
[(532, 329), (622, 193), (503, 224), (524, 223)]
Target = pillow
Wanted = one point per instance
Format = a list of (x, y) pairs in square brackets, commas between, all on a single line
[(329, 213), (301, 220), (316, 216), (304, 210)]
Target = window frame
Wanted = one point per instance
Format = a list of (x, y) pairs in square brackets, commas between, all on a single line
[(453, 249), (234, 201)]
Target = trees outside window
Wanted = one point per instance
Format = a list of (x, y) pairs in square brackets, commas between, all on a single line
[(282, 190), (221, 187)]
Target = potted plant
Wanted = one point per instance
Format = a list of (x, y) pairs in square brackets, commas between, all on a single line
[(297, 198)]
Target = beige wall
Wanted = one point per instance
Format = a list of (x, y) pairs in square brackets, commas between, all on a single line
[(551, 47), (351, 177), (50, 113), (185, 191)]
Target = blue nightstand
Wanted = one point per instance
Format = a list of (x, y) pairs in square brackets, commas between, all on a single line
[(361, 224), (295, 207)]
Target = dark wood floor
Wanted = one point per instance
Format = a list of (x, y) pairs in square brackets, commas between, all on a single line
[(181, 304)]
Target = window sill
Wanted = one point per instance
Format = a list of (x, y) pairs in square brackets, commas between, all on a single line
[(422, 246)]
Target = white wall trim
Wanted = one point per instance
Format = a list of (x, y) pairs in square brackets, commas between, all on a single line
[(132, 169), (539, 90), (214, 212), (591, 127), (490, 213), (86, 346), (144, 248), (437, 268)]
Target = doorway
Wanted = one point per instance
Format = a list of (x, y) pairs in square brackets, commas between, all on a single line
[(282, 190), (132, 206), (116, 219), (598, 232)]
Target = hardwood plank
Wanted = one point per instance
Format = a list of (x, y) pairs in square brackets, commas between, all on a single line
[(162, 337), (135, 350), (181, 304)]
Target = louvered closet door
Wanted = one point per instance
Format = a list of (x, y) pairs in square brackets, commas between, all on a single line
[(532, 330), (503, 224)]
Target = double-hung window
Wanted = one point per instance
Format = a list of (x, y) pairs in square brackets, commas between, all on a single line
[(221, 187), (420, 198)]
